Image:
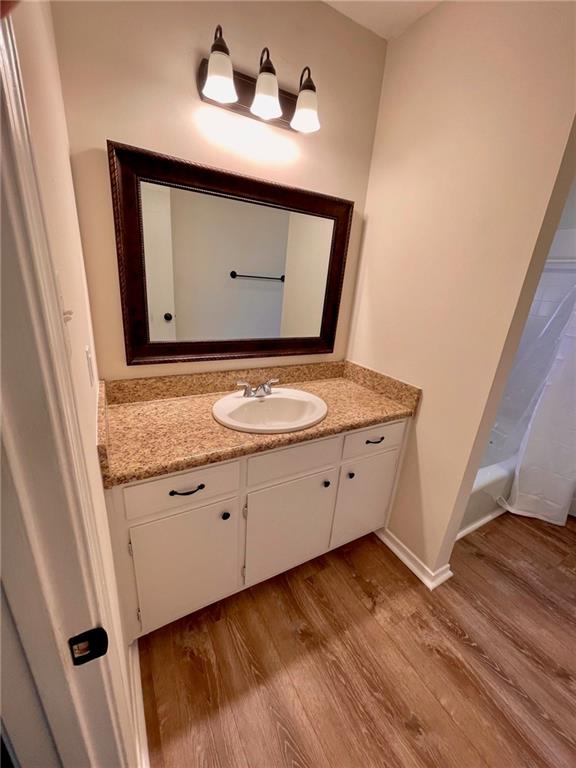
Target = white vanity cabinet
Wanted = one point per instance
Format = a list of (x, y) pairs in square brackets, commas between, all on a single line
[(185, 540)]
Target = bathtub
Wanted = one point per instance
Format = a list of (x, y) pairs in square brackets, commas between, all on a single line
[(492, 480)]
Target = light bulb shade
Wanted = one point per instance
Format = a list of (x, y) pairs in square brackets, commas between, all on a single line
[(266, 104), (219, 85), (305, 118)]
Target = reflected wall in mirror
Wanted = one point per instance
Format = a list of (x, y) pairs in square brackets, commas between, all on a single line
[(216, 265), (220, 269)]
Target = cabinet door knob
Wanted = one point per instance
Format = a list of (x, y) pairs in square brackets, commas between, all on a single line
[(351, 475), (326, 483), (167, 316), (225, 515)]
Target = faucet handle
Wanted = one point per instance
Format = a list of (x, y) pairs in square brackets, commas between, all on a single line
[(247, 388), (266, 388)]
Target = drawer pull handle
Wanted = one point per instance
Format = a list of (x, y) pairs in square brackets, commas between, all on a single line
[(351, 475), (326, 483), (375, 442), (187, 493), (225, 515)]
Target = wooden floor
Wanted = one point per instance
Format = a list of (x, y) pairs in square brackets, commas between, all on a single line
[(350, 662)]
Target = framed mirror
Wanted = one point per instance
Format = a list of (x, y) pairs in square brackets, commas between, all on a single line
[(216, 265)]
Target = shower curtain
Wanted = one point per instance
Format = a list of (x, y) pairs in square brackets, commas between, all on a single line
[(545, 479)]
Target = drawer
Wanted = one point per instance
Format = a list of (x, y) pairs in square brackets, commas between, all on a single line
[(190, 488), (378, 438), (294, 461)]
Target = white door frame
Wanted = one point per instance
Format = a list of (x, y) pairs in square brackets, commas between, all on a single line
[(53, 573)]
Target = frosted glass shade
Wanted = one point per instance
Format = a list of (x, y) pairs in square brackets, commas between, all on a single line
[(305, 118), (219, 85), (266, 104)]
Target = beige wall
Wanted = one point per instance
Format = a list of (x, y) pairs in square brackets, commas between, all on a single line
[(477, 104), (128, 73), (35, 41)]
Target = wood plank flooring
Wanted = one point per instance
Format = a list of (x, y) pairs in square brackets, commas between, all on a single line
[(350, 662)]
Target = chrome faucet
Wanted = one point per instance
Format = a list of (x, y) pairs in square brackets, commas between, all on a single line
[(260, 391)]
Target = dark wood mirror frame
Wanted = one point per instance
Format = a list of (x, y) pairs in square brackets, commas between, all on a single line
[(128, 167)]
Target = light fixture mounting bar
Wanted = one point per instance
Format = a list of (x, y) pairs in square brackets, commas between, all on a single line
[(246, 88)]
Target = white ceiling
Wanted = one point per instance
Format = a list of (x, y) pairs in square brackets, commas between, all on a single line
[(387, 19)]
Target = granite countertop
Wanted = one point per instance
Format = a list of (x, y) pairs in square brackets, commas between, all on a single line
[(153, 437)]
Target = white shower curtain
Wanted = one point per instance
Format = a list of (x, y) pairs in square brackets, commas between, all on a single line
[(545, 479)]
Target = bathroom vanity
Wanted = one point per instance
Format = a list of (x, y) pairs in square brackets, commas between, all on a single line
[(183, 540), (204, 498)]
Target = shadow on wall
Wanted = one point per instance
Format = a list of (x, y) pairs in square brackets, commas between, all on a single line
[(97, 226)]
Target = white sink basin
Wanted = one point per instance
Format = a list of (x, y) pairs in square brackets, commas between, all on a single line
[(285, 410)]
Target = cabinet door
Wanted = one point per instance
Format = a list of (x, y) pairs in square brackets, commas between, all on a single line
[(185, 561), (364, 493), (289, 524)]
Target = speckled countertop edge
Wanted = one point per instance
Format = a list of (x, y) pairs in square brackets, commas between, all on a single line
[(143, 431), (102, 428)]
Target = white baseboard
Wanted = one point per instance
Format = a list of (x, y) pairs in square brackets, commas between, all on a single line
[(479, 523), (431, 579), (138, 706)]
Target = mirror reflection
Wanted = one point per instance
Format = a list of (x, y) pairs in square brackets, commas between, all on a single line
[(218, 268)]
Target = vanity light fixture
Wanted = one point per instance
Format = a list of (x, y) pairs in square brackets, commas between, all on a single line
[(259, 98), (266, 104), (305, 118), (219, 84)]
